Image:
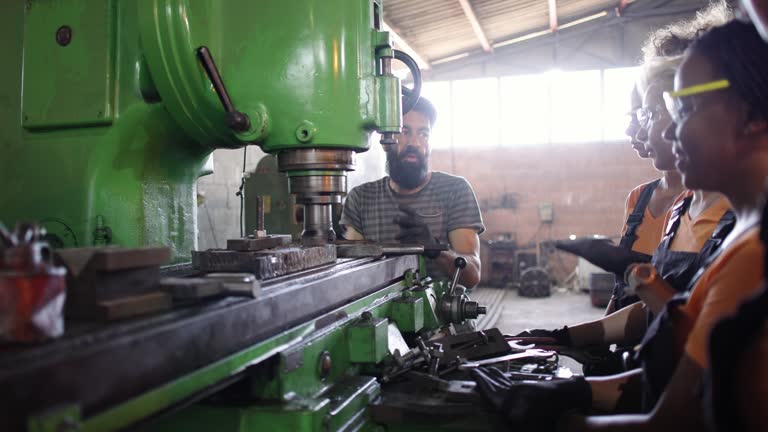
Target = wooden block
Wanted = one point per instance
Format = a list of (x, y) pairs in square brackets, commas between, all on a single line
[(133, 306)]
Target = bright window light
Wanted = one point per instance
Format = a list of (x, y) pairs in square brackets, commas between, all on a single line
[(552, 107), (617, 86), (575, 107), (476, 113), (439, 93), (524, 109)]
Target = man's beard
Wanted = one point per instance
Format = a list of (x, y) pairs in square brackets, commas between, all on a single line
[(407, 175)]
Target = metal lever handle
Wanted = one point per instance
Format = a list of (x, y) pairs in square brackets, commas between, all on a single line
[(236, 120), (460, 263)]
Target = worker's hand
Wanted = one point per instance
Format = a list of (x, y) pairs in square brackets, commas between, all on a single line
[(413, 229), (561, 336), (603, 253), (532, 405)]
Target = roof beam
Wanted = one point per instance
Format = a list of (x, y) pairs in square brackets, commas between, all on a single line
[(552, 14), (475, 25), (404, 46)]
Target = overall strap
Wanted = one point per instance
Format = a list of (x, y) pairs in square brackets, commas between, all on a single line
[(636, 217), (722, 229), (678, 211)]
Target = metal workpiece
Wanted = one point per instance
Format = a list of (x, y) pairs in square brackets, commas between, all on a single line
[(265, 264), (256, 243)]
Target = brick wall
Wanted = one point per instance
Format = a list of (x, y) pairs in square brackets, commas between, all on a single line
[(587, 185)]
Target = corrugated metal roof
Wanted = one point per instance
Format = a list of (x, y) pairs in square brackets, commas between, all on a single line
[(438, 29)]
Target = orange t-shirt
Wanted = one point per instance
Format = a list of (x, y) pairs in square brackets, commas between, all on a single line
[(650, 230), (692, 234), (752, 378), (732, 278)]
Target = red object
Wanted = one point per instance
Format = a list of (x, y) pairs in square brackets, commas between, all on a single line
[(32, 289), (31, 305)]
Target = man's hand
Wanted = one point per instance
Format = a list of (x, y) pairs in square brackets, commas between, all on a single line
[(413, 229)]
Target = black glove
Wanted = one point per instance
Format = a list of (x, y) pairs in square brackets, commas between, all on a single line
[(532, 405), (562, 336), (603, 253), (413, 229)]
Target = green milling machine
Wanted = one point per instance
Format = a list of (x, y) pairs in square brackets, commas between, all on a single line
[(109, 112)]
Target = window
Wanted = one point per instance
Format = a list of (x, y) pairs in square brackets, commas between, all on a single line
[(476, 113), (525, 105), (552, 107), (617, 86), (576, 114), (439, 93)]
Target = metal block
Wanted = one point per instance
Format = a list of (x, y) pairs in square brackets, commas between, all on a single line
[(429, 305), (408, 312), (368, 339), (98, 277), (132, 306), (264, 264), (214, 284), (258, 243), (363, 249)]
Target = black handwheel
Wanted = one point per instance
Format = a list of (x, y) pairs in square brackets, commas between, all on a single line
[(410, 96)]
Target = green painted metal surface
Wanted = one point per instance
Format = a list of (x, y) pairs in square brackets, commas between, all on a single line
[(342, 406), (118, 123), (56, 94), (300, 379), (368, 339), (408, 312)]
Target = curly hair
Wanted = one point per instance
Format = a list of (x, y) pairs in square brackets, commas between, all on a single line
[(738, 52), (658, 70), (675, 38)]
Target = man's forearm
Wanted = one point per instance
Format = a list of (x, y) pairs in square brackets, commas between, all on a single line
[(470, 276)]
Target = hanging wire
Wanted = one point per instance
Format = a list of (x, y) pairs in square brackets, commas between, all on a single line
[(240, 194)]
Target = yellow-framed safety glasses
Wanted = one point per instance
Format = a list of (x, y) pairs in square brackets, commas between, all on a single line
[(673, 99)]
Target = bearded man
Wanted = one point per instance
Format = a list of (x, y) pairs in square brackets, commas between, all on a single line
[(416, 205)]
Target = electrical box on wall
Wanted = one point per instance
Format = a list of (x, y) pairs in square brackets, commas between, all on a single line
[(545, 212)]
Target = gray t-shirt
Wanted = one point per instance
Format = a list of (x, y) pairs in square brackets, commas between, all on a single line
[(446, 203)]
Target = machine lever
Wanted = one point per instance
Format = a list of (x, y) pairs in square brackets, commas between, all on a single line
[(460, 263), (236, 120)]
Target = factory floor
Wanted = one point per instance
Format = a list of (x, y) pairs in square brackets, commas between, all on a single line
[(512, 314)]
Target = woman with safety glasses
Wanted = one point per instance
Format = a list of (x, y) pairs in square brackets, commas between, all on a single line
[(720, 133), (696, 216), (685, 246)]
